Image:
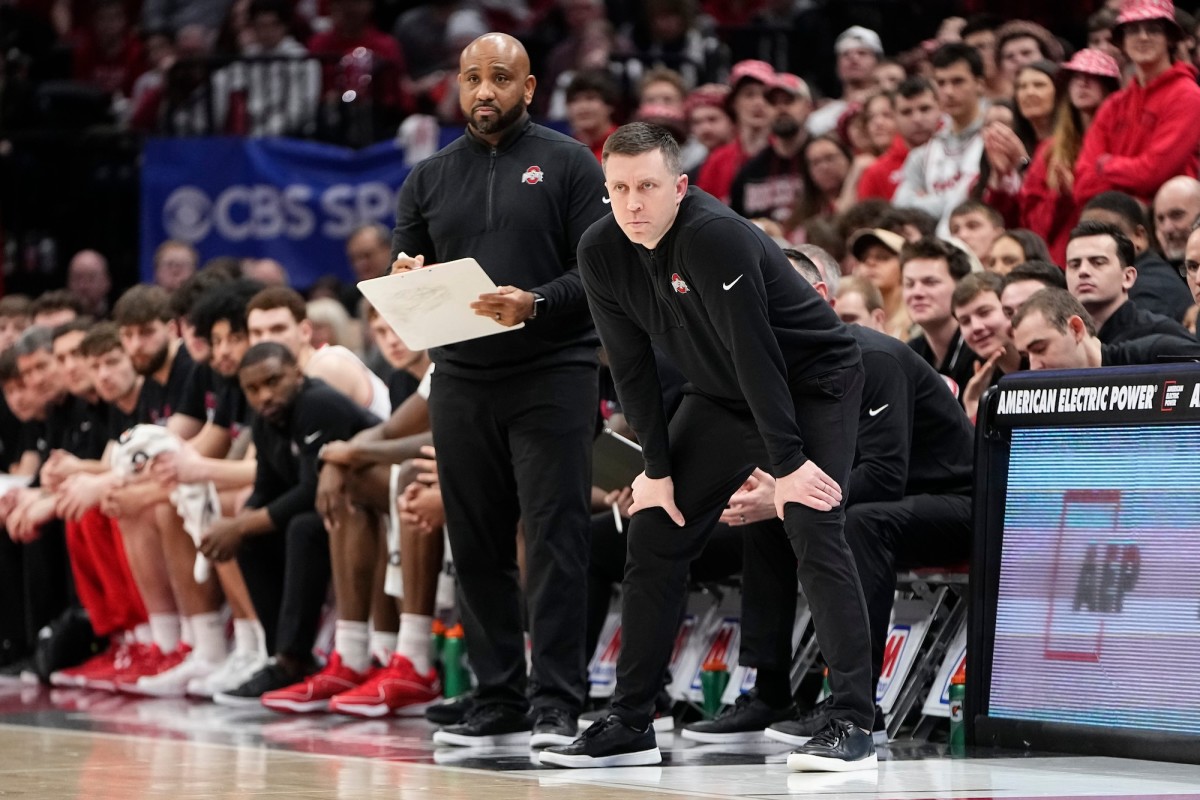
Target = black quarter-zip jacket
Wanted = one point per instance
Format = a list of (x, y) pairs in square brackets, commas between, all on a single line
[(519, 209), (913, 436), (725, 304)]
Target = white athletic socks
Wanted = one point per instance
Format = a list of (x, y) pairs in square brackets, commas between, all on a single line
[(249, 638), (351, 641), (383, 644), (208, 637), (165, 630), (413, 641)]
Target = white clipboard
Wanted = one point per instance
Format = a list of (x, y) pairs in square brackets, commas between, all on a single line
[(431, 306)]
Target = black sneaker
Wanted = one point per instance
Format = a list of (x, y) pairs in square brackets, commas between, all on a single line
[(553, 726), (20, 672), (744, 721), (487, 726), (268, 679), (841, 746), (608, 743), (451, 711), (800, 729), (664, 721)]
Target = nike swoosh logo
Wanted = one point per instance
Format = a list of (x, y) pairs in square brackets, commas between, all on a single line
[(606, 200), (730, 285), (874, 412), (312, 437)]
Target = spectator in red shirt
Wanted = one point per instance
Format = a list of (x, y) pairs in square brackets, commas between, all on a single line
[(917, 118), (707, 110), (752, 114), (1043, 201), (591, 104), (382, 59), (107, 54), (1146, 133)]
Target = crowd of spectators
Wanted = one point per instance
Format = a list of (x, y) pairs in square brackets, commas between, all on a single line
[(996, 196)]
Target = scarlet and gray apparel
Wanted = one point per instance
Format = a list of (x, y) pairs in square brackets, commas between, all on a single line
[(287, 571), (938, 174), (774, 378), (769, 185), (1130, 321), (513, 415), (882, 178)]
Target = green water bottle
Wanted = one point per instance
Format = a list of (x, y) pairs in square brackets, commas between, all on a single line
[(714, 677), (437, 636), (958, 693), (455, 681)]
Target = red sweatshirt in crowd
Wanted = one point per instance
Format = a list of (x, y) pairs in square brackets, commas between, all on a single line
[(881, 178), (1142, 137), (1036, 206), (720, 168)]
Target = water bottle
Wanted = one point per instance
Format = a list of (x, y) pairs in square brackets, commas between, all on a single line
[(958, 692), (456, 681), (714, 677)]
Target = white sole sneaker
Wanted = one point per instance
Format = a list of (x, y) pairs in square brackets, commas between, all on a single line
[(233, 673), (173, 682), (232, 701), (497, 740), (643, 758), (740, 737), (549, 739), (804, 762), (383, 710), (296, 706), (661, 724), (786, 738)]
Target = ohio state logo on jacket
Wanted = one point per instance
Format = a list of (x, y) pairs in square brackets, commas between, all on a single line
[(532, 175), (679, 284)]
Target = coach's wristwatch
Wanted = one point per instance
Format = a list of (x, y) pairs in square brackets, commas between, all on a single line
[(539, 304)]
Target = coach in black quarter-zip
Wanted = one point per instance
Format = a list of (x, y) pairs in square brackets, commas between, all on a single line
[(774, 379), (513, 415)]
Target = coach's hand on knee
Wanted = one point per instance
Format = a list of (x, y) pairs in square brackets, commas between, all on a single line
[(809, 486), (655, 493)]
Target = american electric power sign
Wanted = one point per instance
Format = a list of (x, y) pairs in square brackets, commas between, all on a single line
[(1098, 613)]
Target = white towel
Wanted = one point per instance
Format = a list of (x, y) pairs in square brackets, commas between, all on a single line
[(197, 504)]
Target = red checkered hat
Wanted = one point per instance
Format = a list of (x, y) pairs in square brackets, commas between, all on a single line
[(1144, 11), (1094, 62), (751, 69)]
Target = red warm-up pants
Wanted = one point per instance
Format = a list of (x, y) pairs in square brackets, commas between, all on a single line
[(103, 581)]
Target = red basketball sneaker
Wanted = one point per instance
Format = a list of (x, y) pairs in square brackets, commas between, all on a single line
[(313, 693), (397, 689)]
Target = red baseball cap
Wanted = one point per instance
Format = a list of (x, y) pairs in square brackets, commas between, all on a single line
[(751, 69)]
